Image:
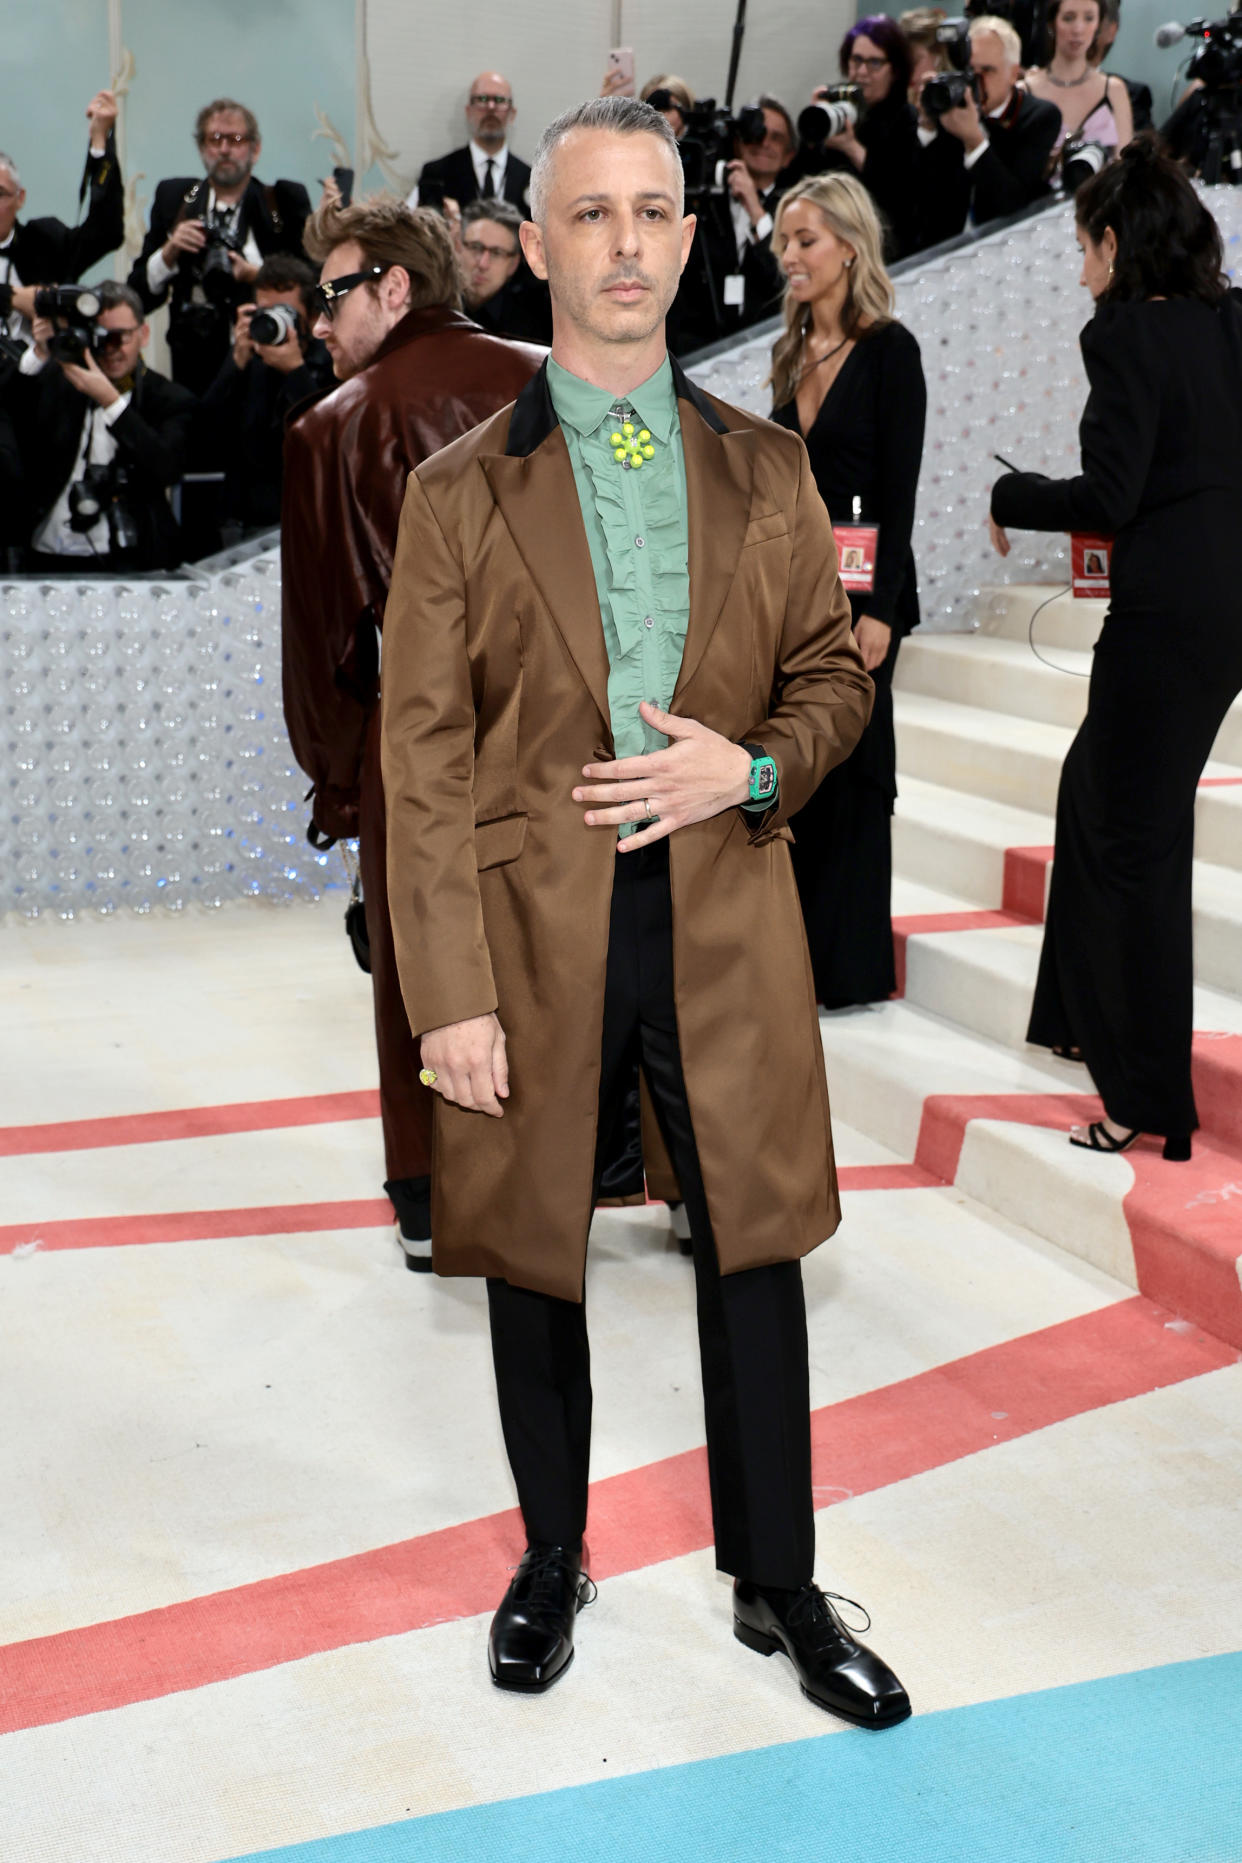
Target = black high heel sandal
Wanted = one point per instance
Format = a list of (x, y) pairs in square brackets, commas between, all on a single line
[(1099, 1138)]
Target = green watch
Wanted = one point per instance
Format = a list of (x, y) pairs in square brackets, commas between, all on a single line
[(764, 777)]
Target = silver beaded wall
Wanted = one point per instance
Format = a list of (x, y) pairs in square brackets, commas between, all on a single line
[(146, 763)]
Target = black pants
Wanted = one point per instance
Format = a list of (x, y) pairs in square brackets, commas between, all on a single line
[(752, 1325)]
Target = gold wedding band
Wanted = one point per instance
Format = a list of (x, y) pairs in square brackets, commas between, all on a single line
[(651, 816), (428, 1076)]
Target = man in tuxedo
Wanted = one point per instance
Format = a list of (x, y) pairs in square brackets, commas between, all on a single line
[(985, 159), (114, 429), (617, 656), (208, 237), (732, 278), (498, 289), (413, 374), (486, 169), (47, 251)]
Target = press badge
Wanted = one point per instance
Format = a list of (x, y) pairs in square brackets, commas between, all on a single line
[(1089, 566), (735, 290)]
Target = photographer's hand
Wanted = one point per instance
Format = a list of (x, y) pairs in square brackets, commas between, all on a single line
[(23, 302), (101, 115), (848, 144), (742, 188), (243, 271), (243, 348), (89, 379), (186, 236), (964, 123), (283, 357), (41, 330)]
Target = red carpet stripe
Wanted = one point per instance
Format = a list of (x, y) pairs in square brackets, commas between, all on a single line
[(281, 1219), (1219, 782), (887, 1177), (637, 1519), (185, 1122), (1025, 881)]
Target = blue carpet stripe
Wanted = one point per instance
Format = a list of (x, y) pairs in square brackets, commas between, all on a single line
[(1141, 1768)]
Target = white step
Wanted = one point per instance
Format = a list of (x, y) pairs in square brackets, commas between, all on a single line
[(1060, 621)]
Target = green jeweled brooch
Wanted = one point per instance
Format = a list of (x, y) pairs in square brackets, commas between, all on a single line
[(631, 445)]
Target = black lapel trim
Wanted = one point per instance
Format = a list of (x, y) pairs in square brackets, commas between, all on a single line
[(533, 417), (686, 391)]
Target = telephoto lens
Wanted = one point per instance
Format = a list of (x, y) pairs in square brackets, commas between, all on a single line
[(275, 325), (1080, 160)]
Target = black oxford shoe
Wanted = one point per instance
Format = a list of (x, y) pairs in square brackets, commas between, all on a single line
[(531, 1641), (836, 1671)]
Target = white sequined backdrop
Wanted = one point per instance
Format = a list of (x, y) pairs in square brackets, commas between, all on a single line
[(146, 760)]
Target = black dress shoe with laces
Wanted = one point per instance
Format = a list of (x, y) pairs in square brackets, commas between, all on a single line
[(531, 1641), (836, 1671)]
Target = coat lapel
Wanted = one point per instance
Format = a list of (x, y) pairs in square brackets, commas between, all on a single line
[(719, 475), (533, 485)]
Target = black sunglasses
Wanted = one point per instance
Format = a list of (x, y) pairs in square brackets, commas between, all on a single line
[(328, 295)]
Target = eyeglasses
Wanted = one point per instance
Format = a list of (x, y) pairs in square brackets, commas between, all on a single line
[(222, 139), (478, 250), (116, 339), (329, 294), (865, 64), (482, 100)]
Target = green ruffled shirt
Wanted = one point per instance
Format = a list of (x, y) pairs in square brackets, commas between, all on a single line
[(639, 541)]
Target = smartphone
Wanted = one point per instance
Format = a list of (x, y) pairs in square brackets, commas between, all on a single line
[(344, 178), (621, 60)]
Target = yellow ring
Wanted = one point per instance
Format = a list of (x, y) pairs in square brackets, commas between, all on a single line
[(428, 1076)]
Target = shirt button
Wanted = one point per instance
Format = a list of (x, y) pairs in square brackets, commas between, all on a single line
[(639, 543), (648, 620)]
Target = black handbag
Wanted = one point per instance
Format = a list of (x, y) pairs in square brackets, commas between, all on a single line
[(356, 912)]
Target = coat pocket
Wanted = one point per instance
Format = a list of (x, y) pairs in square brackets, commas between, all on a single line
[(498, 842), (761, 529)]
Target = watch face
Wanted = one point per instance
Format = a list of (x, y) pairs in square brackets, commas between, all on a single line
[(762, 779)]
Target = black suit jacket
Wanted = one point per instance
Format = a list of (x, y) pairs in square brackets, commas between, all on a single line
[(1010, 174), (275, 214), (152, 439), (47, 252), (692, 322), (453, 175)]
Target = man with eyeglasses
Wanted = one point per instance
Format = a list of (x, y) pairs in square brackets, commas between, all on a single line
[(107, 437), (499, 290), (486, 169), (208, 237), (414, 373)]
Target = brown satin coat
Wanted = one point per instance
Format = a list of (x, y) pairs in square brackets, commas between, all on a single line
[(494, 697)]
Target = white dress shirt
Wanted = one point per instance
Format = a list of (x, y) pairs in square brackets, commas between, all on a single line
[(160, 273), (743, 232), (96, 447), (15, 323), (480, 158)]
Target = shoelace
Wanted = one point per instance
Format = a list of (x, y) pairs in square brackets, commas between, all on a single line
[(542, 1590), (812, 1608)]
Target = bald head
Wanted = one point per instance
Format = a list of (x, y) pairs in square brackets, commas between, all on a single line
[(489, 110)]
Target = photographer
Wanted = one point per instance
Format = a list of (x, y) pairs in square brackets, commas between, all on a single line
[(987, 155), (882, 146), (731, 279), (46, 251), (109, 436), (275, 365), (486, 168), (208, 238), (498, 288)]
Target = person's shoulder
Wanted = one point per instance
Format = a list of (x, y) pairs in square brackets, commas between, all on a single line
[(450, 470), (292, 191), (435, 168), (518, 165), (165, 396), (174, 188), (1036, 109), (892, 340), (778, 445)]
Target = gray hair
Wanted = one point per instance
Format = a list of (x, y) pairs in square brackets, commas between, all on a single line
[(624, 116), (6, 161), (112, 295)]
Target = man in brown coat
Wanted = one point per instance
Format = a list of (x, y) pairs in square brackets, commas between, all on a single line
[(415, 374), (580, 877)]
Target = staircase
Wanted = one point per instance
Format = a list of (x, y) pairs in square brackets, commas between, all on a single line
[(942, 1075)]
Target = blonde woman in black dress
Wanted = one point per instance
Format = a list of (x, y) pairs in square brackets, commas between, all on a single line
[(848, 378)]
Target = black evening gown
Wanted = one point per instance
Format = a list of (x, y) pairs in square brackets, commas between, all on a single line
[(1161, 443), (866, 442)]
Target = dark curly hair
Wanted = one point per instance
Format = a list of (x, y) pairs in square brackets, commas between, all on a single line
[(892, 41), (1168, 244)]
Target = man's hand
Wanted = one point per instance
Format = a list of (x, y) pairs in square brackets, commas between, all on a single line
[(89, 379), (283, 357), (470, 1065), (965, 124), (874, 639), (23, 303), (699, 775), (186, 236), (848, 144), (1000, 542), (41, 330), (243, 348), (742, 188), (101, 115), (331, 196), (244, 271)]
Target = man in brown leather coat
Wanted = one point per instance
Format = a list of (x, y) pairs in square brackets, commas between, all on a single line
[(414, 374)]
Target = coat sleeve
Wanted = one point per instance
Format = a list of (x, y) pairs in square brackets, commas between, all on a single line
[(821, 695), (103, 227), (1013, 172), (163, 216), (900, 419), (428, 727), (1117, 436), (156, 434)]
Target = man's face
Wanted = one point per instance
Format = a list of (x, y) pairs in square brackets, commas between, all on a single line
[(12, 199), (766, 159), (119, 356), (614, 238), (489, 109), (363, 317), (490, 255), (996, 75), (227, 150)]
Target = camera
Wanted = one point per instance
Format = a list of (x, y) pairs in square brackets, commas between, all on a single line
[(1205, 130), (214, 271), (834, 113), (712, 131), (950, 89), (1080, 160), (101, 492), (73, 309), (278, 324)]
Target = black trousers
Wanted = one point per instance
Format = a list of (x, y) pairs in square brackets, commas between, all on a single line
[(752, 1325)]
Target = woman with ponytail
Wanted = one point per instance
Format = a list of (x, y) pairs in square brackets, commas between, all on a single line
[(1162, 475), (848, 378)]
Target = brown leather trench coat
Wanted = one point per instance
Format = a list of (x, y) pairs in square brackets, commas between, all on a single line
[(494, 697)]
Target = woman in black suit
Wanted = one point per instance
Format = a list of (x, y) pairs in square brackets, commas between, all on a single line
[(1162, 474), (848, 378)]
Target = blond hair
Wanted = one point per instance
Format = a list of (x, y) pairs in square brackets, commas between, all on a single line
[(850, 214), (390, 233)]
